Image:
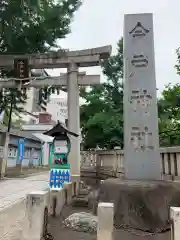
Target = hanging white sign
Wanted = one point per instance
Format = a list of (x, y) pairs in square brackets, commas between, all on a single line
[(60, 146)]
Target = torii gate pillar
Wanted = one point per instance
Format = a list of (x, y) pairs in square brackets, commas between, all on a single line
[(61, 59), (74, 118)]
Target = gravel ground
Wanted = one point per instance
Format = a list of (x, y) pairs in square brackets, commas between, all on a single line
[(59, 232)]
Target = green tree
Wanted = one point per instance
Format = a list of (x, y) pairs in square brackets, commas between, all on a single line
[(102, 113), (177, 66), (169, 112), (169, 115), (17, 122), (31, 26), (14, 97)]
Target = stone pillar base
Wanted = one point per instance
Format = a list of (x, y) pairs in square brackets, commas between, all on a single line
[(36, 212), (57, 201), (141, 204), (175, 224), (105, 221), (2, 168), (75, 184), (69, 192)]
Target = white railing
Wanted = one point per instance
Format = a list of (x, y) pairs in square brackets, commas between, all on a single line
[(114, 160)]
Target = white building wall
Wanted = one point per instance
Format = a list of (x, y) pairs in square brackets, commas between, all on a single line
[(28, 106), (45, 160), (57, 107), (30, 96), (31, 105)]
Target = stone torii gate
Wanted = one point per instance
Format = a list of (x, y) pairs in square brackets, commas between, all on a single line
[(62, 81), (71, 60)]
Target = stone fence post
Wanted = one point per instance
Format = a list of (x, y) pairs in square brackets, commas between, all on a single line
[(60, 197), (57, 201), (75, 179), (33, 225), (175, 223), (105, 221)]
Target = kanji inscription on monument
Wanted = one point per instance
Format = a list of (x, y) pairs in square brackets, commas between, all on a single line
[(139, 31), (141, 141), (139, 60), (140, 99)]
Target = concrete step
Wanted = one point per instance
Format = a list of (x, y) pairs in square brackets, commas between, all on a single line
[(82, 196), (80, 202), (83, 192)]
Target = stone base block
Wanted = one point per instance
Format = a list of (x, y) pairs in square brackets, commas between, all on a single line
[(167, 177), (75, 178), (75, 184), (105, 221), (68, 192), (57, 201), (2, 168), (34, 222), (141, 204), (175, 220)]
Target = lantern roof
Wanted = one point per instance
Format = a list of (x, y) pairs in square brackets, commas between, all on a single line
[(60, 130)]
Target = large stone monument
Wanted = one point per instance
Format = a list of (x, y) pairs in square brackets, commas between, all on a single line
[(141, 201), (141, 151)]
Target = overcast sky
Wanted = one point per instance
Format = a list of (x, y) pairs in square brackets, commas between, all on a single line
[(100, 22)]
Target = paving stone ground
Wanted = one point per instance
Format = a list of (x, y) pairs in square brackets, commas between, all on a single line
[(12, 203), (15, 189)]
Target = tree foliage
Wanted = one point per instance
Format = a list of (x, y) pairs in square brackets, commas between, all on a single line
[(169, 111), (177, 66), (169, 115), (31, 26), (102, 113)]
